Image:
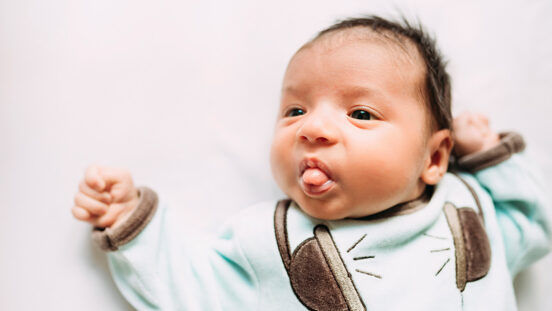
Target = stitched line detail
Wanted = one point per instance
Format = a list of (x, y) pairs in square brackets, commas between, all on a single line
[(356, 243), (435, 237), (440, 269), (342, 276), (363, 257), (369, 273), (439, 250)]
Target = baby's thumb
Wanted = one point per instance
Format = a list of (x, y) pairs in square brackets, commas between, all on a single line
[(119, 183), (93, 178)]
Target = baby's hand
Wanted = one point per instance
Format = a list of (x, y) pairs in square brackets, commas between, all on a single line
[(472, 134), (105, 196)]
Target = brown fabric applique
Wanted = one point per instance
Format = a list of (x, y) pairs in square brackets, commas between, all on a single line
[(312, 279), (478, 248), (110, 239), (316, 271), (472, 247)]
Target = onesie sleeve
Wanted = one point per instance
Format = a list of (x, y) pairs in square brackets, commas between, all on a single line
[(158, 265), (522, 211), (109, 239)]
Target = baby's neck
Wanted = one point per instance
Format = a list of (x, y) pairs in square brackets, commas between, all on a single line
[(405, 207)]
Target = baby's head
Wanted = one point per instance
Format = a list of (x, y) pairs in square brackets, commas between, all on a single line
[(364, 120)]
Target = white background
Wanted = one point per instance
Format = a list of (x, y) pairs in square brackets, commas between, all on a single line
[(184, 95)]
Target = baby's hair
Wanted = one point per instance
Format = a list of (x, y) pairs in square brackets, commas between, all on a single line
[(437, 81)]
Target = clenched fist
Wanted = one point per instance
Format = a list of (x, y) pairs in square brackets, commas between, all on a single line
[(472, 134), (106, 195)]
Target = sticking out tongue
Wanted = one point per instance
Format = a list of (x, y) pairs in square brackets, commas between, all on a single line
[(315, 176)]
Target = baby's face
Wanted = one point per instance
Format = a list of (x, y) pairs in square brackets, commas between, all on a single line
[(351, 136)]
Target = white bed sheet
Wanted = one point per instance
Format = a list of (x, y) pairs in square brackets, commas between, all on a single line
[(184, 94)]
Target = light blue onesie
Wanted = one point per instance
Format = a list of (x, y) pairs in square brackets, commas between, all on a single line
[(457, 249)]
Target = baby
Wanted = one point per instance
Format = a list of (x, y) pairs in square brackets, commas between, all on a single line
[(373, 221)]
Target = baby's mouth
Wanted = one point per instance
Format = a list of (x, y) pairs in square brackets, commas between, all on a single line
[(315, 178)]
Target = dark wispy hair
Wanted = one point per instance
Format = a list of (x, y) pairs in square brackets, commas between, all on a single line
[(437, 81)]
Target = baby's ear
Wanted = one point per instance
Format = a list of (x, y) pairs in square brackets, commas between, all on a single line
[(440, 145)]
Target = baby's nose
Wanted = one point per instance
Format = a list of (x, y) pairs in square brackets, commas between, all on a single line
[(317, 130)]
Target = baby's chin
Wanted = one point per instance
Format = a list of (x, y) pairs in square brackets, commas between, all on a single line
[(331, 209)]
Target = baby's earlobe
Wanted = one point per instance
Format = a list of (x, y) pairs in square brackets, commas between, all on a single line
[(431, 175), (440, 146)]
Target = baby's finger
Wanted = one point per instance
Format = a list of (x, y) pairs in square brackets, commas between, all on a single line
[(80, 213), (484, 119), (93, 206), (111, 216), (93, 178), (104, 197)]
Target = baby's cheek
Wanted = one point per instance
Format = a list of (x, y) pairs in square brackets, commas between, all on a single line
[(280, 163), (383, 174)]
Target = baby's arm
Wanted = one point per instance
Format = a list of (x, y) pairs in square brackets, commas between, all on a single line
[(155, 265), (521, 208)]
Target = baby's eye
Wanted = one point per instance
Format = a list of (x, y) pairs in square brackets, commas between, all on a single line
[(361, 115), (295, 112)]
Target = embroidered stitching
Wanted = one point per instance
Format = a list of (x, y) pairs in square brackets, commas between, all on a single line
[(369, 273), (440, 269), (356, 243), (439, 250), (434, 236), (363, 257)]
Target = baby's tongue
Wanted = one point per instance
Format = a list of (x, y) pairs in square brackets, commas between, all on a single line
[(315, 176)]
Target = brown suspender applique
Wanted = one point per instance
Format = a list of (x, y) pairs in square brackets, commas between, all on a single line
[(471, 244), (316, 271)]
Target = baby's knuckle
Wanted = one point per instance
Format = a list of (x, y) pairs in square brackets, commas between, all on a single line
[(91, 169), (98, 208), (105, 221), (125, 174), (82, 186), (76, 214), (77, 198)]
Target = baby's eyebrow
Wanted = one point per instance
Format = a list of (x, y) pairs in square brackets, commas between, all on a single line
[(290, 89), (356, 91), (347, 93), (350, 91)]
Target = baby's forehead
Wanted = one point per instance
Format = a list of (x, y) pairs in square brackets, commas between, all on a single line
[(404, 50)]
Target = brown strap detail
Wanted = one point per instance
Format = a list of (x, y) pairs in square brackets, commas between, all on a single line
[(510, 143), (456, 228), (280, 229), (342, 276), (110, 239), (474, 195)]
